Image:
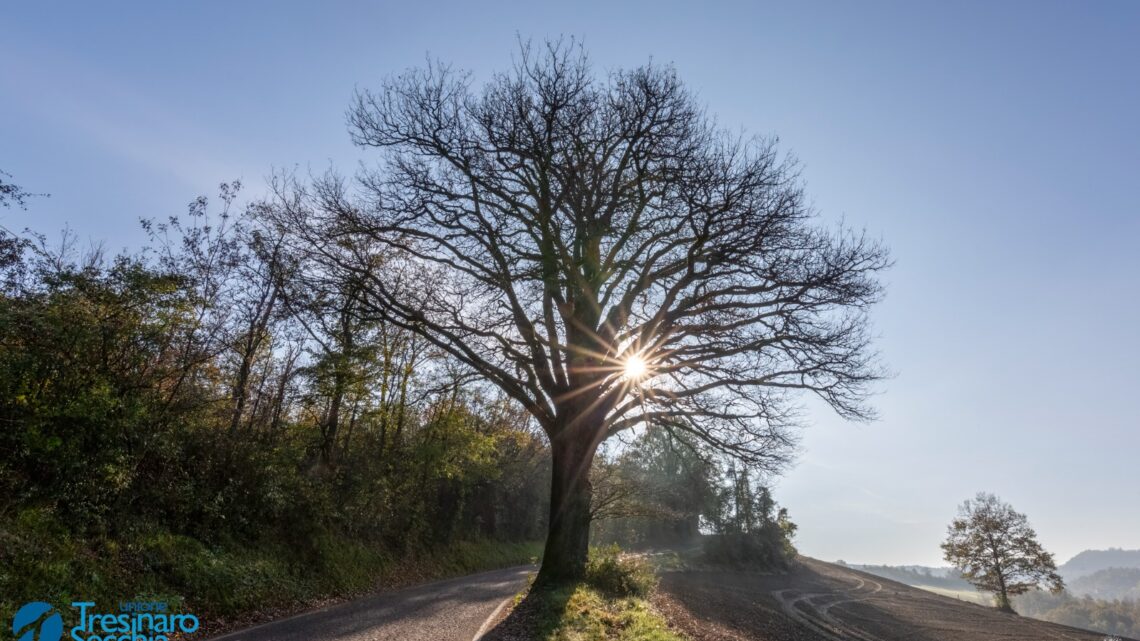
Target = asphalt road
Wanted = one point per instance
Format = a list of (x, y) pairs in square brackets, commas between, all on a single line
[(451, 610)]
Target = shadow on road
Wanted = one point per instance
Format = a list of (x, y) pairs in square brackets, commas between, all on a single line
[(535, 617), (437, 610)]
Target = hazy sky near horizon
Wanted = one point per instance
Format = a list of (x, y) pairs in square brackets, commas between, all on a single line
[(993, 146)]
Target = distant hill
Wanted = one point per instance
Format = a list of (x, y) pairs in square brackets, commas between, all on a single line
[(1108, 584), (1091, 561)]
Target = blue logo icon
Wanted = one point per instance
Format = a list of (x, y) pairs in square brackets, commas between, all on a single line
[(28, 620)]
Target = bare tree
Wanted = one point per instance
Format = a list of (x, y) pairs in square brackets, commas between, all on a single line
[(996, 550), (255, 318), (602, 252), (10, 193)]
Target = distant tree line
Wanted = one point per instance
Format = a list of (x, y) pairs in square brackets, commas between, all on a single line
[(1116, 616), (952, 580), (203, 387)]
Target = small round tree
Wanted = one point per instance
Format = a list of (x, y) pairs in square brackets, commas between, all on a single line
[(995, 549)]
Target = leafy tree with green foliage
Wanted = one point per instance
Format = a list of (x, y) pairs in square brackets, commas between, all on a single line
[(997, 551), (749, 528), (163, 414), (654, 492)]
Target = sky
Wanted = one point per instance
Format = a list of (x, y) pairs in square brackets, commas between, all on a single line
[(993, 146)]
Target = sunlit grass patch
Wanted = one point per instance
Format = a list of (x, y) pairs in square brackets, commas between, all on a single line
[(611, 603), (583, 612)]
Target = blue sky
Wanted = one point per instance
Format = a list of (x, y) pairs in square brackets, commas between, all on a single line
[(993, 146)]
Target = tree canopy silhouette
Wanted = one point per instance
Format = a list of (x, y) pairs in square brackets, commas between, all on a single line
[(556, 227)]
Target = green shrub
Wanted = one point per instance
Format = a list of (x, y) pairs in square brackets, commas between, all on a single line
[(41, 560), (764, 549), (617, 574), (576, 614)]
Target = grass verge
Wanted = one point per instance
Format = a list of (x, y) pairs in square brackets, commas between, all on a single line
[(226, 584), (612, 603)]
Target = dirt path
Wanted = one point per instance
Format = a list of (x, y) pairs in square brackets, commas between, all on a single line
[(824, 602)]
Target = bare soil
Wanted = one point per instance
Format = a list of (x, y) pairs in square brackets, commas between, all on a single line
[(820, 601)]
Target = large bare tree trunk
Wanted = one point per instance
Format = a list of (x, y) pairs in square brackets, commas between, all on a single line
[(568, 539)]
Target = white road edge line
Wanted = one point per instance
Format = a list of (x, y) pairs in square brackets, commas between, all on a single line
[(483, 629)]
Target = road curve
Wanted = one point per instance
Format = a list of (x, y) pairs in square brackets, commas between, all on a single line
[(450, 610)]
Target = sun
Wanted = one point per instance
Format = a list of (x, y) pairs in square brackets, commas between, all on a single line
[(635, 368)]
